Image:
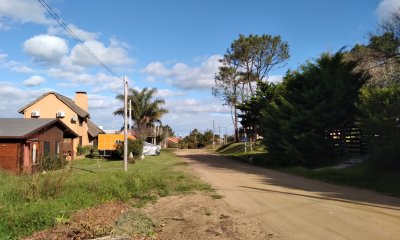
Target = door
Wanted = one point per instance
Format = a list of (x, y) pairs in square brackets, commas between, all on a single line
[(9, 156)]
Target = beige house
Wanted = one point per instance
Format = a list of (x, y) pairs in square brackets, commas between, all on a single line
[(73, 113)]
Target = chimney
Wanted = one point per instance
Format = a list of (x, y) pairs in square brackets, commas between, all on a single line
[(81, 100)]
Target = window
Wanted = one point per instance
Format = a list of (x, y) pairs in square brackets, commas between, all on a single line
[(80, 141), (80, 121), (46, 148), (57, 150), (34, 149)]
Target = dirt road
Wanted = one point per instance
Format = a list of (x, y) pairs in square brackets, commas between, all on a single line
[(295, 207)]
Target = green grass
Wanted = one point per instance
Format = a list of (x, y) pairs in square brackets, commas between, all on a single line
[(29, 203), (362, 175), (237, 151)]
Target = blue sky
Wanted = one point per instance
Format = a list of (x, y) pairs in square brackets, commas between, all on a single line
[(172, 45)]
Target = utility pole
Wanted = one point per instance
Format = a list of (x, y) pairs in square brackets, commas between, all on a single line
[(125, 124), (213, 135), (219, 134)]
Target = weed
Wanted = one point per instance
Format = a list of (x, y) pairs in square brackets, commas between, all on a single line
[(29, 203)]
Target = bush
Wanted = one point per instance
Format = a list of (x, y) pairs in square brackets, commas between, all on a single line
[(93, 154), (379, 118), (52, 163), (134, 146), (83, 150)]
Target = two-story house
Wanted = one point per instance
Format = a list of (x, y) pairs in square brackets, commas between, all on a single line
[(73, 113)]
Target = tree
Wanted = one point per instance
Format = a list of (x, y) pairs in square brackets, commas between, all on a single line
[(145, 109), (245, 65), (311, 102), (251, 109), (380, 58), (194, 139), (380, 121)]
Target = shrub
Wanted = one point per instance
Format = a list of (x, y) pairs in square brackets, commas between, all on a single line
[(93, 154), (134, 146), (83, 150), (52, 163)]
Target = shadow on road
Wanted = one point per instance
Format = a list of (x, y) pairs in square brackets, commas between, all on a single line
[(317, 189)]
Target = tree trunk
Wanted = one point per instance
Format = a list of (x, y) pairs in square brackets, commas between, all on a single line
[(235, 123)]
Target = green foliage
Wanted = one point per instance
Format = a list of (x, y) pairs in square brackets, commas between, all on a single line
[(86, 184), (94, 153), (196, 139), (134, 146), (146, 110), (379, 117), (83, 150), (251, 109), (363, 175), (48, 162), (311, 102), (245, 65)]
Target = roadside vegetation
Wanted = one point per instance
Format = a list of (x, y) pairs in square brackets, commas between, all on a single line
[(330, 109), (363, 175), (29, 203)]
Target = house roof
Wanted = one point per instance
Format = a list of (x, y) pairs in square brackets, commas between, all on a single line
[(93, 129), (22, 128), (67, 101), (174, 139)]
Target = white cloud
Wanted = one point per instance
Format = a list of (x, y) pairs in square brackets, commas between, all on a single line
[(46, 48), (191, 105), (22, 69), (35, 80), (100, 80), (13, 98), (180, 75), (114, 54), (21, 11), (156, 68), (386, 7), (80, 33), (168, 93), (275, 79), (3, 57)]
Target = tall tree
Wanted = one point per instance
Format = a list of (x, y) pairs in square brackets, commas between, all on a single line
[(380, 57), (246, 63), (313, 101), (379, 110), (146, 109), (250, 110)]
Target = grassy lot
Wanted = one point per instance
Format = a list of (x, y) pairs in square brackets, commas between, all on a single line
[(361, 175), (33, 202)]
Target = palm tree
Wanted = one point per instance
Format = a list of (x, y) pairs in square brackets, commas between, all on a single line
[(145, 109)]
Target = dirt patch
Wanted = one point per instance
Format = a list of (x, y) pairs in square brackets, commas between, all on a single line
[(85, 224), (196, 216), (199, 216)]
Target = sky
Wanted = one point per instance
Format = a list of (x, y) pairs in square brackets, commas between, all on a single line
[(173, 45)]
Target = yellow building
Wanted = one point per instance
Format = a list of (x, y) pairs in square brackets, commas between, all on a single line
[(74, 113), (107, 143)]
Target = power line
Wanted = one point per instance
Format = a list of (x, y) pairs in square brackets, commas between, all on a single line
[(75, 37)]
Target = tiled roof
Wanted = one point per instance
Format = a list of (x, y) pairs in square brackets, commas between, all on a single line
[(21, 128), (67, 101), (93, 129)]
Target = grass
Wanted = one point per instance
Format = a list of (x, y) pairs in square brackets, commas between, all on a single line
[(29, 203), (237, 151), (362, 175)]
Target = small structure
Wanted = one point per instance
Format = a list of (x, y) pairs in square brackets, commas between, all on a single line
[(107, 143), (171, 142), (23, 142), (73, 113)]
